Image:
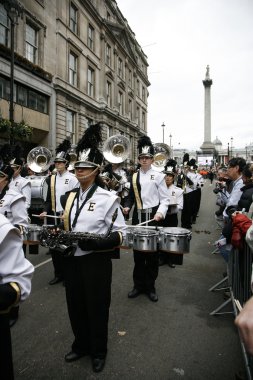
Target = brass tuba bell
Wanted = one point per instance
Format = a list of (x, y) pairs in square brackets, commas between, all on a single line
[(39, 159), (161, 155), (116, 149)]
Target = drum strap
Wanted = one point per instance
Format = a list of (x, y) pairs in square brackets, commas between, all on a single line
[(52, 187), (136, 192)]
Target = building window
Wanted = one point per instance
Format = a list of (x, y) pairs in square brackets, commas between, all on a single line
[(143, 93), (120, 68), (73, 18), (31, 44), (138, 115), (138, 87), (108, 55), (120, 102), (24, 96), (109, 93), (70, 122), (91, 37), (108, 16), (130, 108), (4, 23), (130, 78), (91, 78), (72, 69), (143, 120)]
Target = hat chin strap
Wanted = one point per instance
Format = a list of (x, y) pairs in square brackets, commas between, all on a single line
[(88, 175)]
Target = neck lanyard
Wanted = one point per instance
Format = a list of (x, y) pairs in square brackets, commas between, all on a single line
[(79, 209)]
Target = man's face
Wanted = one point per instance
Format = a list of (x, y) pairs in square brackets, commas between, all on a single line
[(60, 166), (145, 161)]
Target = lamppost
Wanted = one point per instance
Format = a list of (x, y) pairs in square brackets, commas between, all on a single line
[(228, 151), (163, 125), (246, 151), (14, 10), (231, 146)]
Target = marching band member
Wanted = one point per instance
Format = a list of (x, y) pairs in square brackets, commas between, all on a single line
[(15, 286), (58, 184), (19, 183), (149, 194), (176, 199), (12, 203), (188, 187), (88, 275), (13, 206)]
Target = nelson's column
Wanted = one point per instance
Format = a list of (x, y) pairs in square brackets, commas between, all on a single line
[(207, 147)]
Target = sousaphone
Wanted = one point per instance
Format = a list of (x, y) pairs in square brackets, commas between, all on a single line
[(116, 149), (161, 156), (39, 159)]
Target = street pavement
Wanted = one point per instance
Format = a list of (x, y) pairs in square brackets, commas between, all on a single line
[(175, 338)]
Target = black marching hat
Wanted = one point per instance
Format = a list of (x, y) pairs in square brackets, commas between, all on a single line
[(88, 153), (145, 147), (62, 151), (170, 167)]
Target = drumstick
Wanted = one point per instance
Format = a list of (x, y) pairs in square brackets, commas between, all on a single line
[(239, 306), (48, 216), (147, 221)]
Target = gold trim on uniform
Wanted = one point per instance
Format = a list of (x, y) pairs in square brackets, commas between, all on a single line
[(136, 192), (52, 186), (67, 209)]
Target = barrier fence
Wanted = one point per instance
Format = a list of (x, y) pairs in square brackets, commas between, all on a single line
[(238, 285)]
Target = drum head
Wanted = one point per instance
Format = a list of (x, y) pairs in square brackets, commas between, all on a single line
[(144, 232), (39, 187), (176, 231)]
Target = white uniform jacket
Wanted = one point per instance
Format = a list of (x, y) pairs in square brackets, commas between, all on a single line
[(176, 197), (153, 191), (14, 267), (96, 215), (22, 185), (12, 205), (194, 178), (64, 182)]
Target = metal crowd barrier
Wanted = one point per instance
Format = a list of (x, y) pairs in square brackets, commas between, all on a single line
[(238, 284)]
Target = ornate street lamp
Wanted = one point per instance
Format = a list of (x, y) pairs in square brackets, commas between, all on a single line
[(163, 125), (170, 136)]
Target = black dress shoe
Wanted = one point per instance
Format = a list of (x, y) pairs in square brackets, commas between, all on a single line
[(73, 356), (98, 364), (55, 280), (134, 293), (152, 296)]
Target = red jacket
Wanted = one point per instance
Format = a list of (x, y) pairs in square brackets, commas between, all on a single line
[(241, 224)]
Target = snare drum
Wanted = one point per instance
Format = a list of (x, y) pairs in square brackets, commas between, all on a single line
[(31, 236), (145, 240), (175, 240), (128, 239), (39, 187)]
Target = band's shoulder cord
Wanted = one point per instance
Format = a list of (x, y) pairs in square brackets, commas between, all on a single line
[(136, 192), (67, 209), (52, 187)]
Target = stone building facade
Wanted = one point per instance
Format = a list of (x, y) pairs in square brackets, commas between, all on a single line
[(77, 62)]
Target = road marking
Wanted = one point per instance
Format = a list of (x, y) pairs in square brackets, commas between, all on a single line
[(43, 263)]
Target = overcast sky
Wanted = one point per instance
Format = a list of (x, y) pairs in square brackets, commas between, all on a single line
[(182, 37)]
